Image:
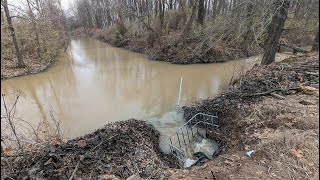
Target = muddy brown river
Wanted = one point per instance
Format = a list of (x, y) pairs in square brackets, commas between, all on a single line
[(94, 84)]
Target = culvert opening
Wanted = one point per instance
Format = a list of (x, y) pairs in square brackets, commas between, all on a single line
[(190, 144)]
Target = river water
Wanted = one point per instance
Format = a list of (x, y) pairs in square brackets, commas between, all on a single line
[(94, 84)]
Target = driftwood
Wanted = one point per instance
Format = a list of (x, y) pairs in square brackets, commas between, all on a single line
[(269, 92), (294, 48)]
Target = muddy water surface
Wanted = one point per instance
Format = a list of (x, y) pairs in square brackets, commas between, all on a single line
[(95, 83)]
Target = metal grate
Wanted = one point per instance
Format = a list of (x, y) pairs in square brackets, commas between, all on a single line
[(179, 140)]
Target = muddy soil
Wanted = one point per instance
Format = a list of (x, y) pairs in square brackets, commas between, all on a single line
[(272, 110), (117, 151)]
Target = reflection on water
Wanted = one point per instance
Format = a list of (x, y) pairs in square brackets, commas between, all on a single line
[(95, 84)]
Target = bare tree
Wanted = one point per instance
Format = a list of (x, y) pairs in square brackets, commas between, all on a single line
[(201, 12), (188, 25), (20, 63), (34, 26), (315, 46), (214, 9), (274, 31)]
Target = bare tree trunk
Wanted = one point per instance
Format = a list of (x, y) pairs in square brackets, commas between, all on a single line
[(274, 31), (170, 4), (214, 9), (161, 12), (201, 12), (248, 36), (315, 46), (155, 8), (20, 62), (34, 26), (188, 25)]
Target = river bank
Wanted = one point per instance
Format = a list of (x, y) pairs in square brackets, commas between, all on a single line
[(33, 66), (170, 48), (272, 110)]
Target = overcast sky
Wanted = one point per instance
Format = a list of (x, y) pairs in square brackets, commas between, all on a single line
[(65, 3)]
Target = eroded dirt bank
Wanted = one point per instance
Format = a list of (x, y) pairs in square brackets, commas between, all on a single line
[(272, 110)]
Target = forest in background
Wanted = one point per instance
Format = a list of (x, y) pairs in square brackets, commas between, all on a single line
[(177, 31), (32, 35), (199, 31)]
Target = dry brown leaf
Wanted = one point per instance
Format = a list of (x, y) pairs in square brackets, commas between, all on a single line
[(82, 143), (309, 90), (8, 150), (246, 147), (296, 153)]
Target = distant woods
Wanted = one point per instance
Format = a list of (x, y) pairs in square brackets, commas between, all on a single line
[(32, 32), (210, 30)]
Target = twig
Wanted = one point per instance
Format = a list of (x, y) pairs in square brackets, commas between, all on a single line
[(134, 164), (269, 169), (75, 170), (269, 92), (90, 174), (99, 144), (312, 73), (82, 157), (153, 174), (10, 116), (226, 158), (277, 95)]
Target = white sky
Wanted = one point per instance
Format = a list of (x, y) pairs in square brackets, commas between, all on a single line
[(65, 3)]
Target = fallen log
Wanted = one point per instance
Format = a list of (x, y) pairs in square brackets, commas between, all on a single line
[(294, 48), (269, 92)]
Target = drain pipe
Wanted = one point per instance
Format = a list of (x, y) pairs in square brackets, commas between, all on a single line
[(179, 92)]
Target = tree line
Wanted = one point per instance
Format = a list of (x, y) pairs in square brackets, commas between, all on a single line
[(248, 24), (196, 31), (35, 29)]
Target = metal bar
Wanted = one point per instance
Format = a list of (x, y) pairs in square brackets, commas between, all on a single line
[(179, 140), (192, 119), (192, 132), (180, 91), (170, 146), (177, 149), (206, 121), (183, 138), (188, 134)]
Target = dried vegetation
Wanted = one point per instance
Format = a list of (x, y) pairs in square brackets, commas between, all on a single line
[(118, 150), (274, 111)]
